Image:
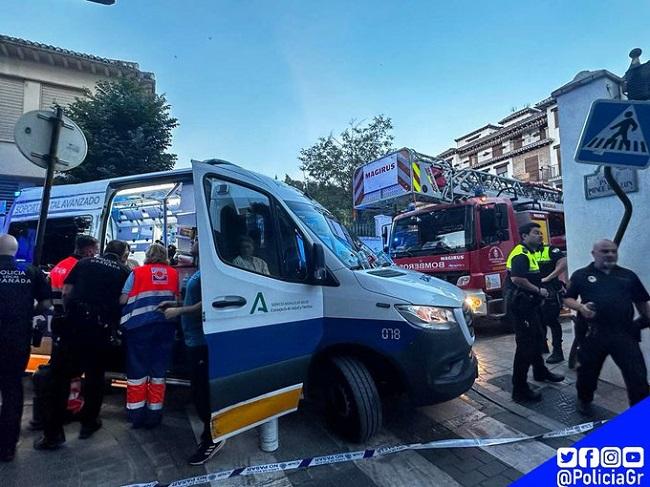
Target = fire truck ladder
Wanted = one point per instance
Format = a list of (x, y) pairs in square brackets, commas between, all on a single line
[(466, 182)]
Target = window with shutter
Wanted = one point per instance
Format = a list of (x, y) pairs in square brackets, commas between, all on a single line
[(497, 150), (517, 143), (55, 95), (532, 168), (11, 106)]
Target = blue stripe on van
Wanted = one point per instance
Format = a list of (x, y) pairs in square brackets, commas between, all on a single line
[(243, 350)]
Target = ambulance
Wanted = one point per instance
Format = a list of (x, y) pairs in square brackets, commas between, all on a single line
[(312, 312)]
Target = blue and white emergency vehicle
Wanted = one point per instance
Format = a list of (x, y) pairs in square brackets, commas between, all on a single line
[(311, 312)]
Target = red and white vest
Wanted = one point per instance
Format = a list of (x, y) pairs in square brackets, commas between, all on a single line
[(152, 284)]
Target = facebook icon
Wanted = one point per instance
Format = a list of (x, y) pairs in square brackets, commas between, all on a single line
[(588, 457)]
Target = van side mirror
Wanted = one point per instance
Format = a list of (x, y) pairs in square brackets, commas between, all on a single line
[(384, 236), (318, 271)]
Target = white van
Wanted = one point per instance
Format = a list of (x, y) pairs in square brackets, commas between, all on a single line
[(311, 311)]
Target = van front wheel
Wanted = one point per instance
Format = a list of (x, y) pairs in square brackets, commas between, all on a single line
[(352, 401)]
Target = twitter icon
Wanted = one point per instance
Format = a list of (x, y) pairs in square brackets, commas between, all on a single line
[(567, 457)]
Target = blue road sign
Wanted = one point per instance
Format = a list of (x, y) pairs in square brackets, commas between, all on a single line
[(616, 133)]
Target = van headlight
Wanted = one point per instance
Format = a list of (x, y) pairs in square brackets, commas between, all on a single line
[(473, 302), (431, 317)]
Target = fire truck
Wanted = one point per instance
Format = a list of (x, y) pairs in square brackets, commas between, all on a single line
[(458, 225)]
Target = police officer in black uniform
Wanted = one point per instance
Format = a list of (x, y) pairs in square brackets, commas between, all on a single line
[(524, 299), (20, 286), (91, 299), (608, 295), (552, 263)]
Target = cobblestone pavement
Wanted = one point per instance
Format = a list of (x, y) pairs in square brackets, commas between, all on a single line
[(117, 454)]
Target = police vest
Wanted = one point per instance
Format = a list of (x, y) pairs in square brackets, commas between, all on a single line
[(543, 256), (57, 278), (533, 265), (152, 284)]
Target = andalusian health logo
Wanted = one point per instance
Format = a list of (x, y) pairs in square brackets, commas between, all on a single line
[(259, 304)]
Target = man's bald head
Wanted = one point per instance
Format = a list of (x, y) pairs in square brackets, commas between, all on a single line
[(605, 253), (8, 245)]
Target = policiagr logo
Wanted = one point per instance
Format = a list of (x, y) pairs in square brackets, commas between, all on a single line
[(259, 304)]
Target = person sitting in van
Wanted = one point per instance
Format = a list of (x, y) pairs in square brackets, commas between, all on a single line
[(149, 336), (247, 260)]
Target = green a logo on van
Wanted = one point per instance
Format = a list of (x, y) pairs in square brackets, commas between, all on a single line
[(259, 304)]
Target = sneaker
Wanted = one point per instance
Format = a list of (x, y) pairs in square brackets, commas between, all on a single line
[(550, 377), (526, 395), (45, 443), (556, 357), (87, 430), (584, 407), (205, 452)]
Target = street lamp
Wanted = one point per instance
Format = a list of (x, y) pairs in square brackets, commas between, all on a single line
[(103, 2), (637, 78)]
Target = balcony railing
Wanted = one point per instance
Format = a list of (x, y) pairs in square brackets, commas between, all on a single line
[(550, 173)]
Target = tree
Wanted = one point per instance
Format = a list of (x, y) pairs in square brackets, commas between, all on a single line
[(128, 129), (331, 161)]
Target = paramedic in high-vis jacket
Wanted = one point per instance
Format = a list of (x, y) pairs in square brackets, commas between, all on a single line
[(149, 336)]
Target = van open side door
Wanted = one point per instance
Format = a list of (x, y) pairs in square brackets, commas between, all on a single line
[(262, 311)]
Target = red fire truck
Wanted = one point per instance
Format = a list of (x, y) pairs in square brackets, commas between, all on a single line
[(457, 225)]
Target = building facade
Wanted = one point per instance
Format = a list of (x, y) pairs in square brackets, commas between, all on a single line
[(524, 145), (36, 76)]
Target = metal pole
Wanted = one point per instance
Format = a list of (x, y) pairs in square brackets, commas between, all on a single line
[(627, 204), (57, 120)]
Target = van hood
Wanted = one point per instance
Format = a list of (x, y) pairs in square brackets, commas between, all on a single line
[(410, 286)]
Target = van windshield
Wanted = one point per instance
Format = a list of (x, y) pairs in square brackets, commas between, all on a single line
[(348, 248), (442, 231)]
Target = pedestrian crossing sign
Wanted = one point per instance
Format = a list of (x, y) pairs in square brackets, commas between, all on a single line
[(616, 133)]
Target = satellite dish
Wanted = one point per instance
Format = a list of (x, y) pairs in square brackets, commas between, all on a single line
[(33, 136)]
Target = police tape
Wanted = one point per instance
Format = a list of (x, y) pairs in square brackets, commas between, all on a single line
[(366, 454)]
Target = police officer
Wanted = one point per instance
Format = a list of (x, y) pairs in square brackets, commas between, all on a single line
[(552, 263), (608, 295), (524, 299), (20, 286), (91, 295), (84, 246)]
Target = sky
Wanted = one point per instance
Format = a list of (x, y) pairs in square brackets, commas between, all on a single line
[(253, 81)]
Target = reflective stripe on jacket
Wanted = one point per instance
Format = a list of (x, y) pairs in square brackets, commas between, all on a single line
[(152, 284), (533, 265)]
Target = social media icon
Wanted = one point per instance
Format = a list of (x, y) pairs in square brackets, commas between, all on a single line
[(610, 457), (633, 457), (567, 457), (588, 457)]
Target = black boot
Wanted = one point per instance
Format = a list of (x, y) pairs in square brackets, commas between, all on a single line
[(526, 395), (549, 377), (556, 357)]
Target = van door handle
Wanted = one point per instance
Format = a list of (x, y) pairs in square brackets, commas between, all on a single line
[(229, 302)]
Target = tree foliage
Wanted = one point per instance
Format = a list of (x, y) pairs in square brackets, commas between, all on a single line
[(128, 129), (331, 161)]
